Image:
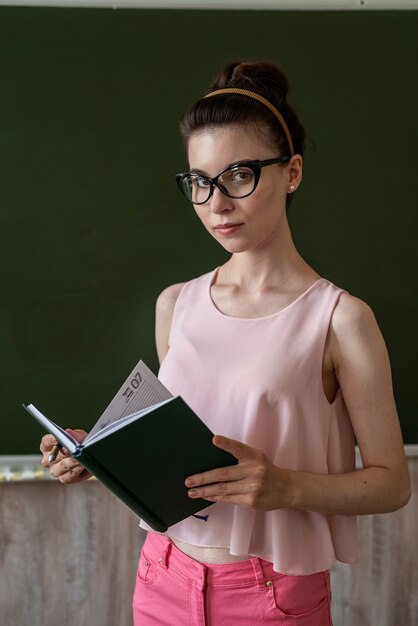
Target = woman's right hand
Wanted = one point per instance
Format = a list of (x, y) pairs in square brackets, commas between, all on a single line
[(65, 468)]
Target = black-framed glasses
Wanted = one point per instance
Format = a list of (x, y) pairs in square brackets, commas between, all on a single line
[(238, 180)]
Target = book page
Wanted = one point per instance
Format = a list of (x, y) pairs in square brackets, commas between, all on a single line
[(123, 421), (63, 437), (141, 390)]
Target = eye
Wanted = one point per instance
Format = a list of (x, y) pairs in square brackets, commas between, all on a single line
[(238, 176), (242, 175), (199, 182)]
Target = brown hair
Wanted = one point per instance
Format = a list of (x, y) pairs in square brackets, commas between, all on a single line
[(262, 78)]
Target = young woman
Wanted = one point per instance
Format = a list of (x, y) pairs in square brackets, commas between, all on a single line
[(284, 366)]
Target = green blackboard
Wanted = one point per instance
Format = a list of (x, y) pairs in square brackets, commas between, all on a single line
[(93, 228)]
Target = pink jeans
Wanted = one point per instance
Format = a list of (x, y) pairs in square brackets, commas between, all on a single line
[(174, 590)]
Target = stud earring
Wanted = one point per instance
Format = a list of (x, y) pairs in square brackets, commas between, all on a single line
[(292, 188)]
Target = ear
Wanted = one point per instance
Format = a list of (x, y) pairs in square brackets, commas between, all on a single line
[(294, 168)]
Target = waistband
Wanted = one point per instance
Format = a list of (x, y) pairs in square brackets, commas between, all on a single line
[(255, 571)]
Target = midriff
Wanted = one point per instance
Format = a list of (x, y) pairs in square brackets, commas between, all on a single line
[(208, 555)]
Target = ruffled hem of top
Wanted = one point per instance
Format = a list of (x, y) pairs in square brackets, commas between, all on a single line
[(300, 542)]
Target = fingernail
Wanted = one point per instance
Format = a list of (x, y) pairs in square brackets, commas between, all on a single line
[(192, 493)]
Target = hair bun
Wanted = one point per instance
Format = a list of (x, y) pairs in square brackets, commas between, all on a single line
[(276, 121), (261, 77)]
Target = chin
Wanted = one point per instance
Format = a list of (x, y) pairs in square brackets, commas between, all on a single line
[(233, 247)]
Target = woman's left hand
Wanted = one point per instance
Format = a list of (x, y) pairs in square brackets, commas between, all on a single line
[(255, 482)]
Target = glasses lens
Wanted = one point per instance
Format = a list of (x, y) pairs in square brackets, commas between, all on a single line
[(238, 181), (196, 188)]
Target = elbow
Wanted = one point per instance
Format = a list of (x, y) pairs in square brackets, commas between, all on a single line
[(403, 493), (396, 491), (407, 488), (406, 496)]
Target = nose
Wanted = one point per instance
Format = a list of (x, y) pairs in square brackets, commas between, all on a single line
[(219, 202)]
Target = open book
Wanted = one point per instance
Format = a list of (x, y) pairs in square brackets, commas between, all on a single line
[(143, 447)]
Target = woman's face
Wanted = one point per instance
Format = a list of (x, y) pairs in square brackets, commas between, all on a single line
[(247, 223)]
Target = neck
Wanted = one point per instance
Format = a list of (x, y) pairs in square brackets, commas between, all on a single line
[(276, 264)]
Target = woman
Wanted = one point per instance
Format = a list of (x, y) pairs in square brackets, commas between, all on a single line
[(287, 367)]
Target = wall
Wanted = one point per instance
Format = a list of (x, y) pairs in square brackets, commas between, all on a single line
[(69, 554), (93, 227)]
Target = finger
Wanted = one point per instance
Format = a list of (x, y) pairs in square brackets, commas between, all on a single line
[(67, 464), (62, 454), (218, 475), (78, 434), (239, 499), (238, 449), (47, 443), (220, 490), (74, 476)]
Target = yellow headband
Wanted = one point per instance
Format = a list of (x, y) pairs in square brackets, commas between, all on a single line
[(268, 104)]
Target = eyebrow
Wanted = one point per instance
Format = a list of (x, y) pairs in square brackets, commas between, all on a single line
[(196, 170)]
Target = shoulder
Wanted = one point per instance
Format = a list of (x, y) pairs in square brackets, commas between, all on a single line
[(166, 302), (167, 299), (351, 314), (353, 329)]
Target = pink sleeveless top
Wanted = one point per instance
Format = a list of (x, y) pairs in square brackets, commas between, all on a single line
[(259, 381)]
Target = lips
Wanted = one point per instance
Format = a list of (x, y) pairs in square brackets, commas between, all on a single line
[(227, 229), (226, 225)]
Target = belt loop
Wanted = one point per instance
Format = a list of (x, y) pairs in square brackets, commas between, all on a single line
[(258, 573), (203, 577), (326, 574), (165, 552)]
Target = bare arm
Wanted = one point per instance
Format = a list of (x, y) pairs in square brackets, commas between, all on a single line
[(363, 371), (66, 469), (164, 316), (361, 365)]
